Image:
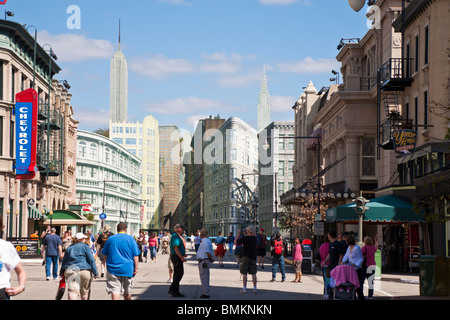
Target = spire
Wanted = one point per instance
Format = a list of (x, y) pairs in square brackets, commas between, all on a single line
[(263, 103), (119, 34)]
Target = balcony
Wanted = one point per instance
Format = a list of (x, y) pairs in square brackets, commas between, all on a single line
[(395, 74)]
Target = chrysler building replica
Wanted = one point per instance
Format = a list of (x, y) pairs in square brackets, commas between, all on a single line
[(118, 86), (263, 105)]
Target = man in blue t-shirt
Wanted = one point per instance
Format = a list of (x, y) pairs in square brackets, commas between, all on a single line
[(122, 258), (53, 250)]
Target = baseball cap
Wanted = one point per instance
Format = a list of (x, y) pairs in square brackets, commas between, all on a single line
[(80, 236)]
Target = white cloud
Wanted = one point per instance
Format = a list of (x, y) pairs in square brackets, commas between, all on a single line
[(308, 65), (71, 47), (241, 80), (282, 103), (189, 105), (158, 66)]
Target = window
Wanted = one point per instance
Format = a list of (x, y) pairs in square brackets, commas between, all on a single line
[(233, 154), (232, 135), (82, 149), (281, 168), (368, 156), (426, 49), (118, 140), (107, 155), (280, 188), (416, 61), (291, 142), (281, 142), (93, 151), (1, 80), (425, 109), (416, 111), (290, 168), (131, 141)]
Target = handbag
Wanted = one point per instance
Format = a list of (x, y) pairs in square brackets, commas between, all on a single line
[(61, 288)]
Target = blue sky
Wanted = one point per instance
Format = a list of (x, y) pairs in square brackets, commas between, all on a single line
[(193, 58)]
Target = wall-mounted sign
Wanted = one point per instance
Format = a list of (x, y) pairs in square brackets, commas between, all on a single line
[(26, 133), (404, 141)]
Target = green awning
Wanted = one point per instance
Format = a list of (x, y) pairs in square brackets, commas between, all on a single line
[(67, 218), (383, 209), (34, 213)]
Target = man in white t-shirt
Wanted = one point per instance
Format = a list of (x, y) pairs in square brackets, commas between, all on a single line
[(10, 260), (205, 258)]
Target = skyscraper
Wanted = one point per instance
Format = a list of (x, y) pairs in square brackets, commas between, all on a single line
[(263, 104), (118, 86)]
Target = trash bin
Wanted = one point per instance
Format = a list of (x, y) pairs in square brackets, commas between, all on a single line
[(434, 276), (378, 264)]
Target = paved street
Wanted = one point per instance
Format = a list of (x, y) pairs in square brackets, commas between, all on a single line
[(151, 283)]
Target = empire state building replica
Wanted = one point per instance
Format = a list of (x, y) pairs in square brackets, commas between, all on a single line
[(118, 86)]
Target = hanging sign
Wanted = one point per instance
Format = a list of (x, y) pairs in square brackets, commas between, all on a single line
[(404, 141), (26, 110)]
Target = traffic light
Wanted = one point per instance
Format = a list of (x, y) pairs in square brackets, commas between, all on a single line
[(361, 205)]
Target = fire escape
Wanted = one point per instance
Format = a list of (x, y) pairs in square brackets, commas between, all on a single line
[(392, 78), (50, 138)]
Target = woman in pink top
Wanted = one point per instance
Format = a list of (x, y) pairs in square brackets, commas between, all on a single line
[(368, 252), (297, 256), (153, 246)]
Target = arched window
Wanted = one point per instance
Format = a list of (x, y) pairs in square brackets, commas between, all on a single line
[(93, 151), (107, 155), (82, 149)]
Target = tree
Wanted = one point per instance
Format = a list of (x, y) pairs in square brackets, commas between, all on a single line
[(304, 215), (102, 131)]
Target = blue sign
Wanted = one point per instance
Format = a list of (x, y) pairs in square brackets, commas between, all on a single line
[(102, 216), (24, 117)]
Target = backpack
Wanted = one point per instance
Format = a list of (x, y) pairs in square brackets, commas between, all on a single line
[(278, 247), (258, 240)]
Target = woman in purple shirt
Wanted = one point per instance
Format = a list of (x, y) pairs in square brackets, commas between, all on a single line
[(368, 252)]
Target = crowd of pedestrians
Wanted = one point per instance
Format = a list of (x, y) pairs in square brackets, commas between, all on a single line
[(117, 255)]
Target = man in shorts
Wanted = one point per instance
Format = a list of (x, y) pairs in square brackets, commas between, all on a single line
[(248, 260), (122, 258)]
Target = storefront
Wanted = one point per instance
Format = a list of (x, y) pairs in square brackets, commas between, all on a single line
[(396, 225)]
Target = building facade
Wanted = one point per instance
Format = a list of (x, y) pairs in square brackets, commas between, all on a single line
[(25, 204), (230, 153), (172, 177), (142, 140), (108, 178), (279, 178), (425, 106)]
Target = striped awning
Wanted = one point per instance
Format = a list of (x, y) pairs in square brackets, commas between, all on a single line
[(34, 213)]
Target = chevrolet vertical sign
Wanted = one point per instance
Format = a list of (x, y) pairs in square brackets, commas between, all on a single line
[(26, 133)]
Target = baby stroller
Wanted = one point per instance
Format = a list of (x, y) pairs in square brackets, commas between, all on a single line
[(344, 281), (165, 246)]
